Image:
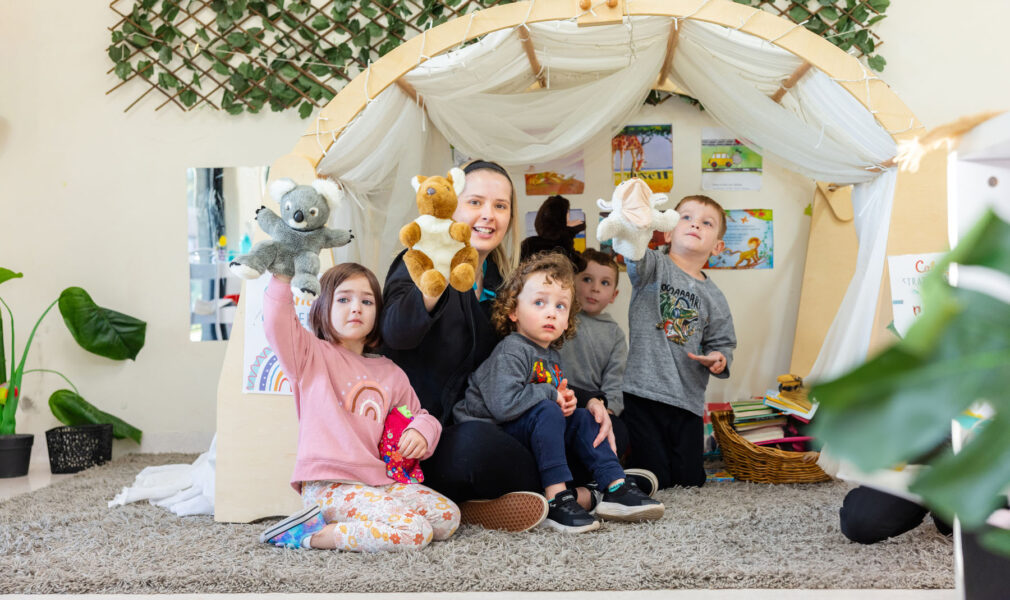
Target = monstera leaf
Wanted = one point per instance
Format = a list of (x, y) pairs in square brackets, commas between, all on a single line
[(900, 404), (99, 330)]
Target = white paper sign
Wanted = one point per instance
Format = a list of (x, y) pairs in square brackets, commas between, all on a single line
[(261, 372), (907, 272)]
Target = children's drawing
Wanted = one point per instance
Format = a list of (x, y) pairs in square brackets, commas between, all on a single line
[(562, 176)]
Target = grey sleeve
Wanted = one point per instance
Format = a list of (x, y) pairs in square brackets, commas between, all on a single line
[(641, 271), (613, 374), (720, 334), (506, 393)]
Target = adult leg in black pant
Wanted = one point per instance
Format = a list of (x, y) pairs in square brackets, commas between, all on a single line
[(476, 460), (868, 516)]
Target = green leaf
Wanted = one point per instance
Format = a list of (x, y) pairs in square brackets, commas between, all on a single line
[(969, 483), (879, 5), (165, 55), (117, 36), (196, 81), (71, 409), (144, 69), (288, 71), (100, 330), (875, 20), (860, 13), (319, 70), (221, 68), (246, 70), (238, 82), (320, 22), (237, 40), (203, 34), (139, 41), (816, 25), (996, 540), (167, 80), (368, 11), (305, 109), (374, 29), (188, 97), (798, 14), (116, 53), (876, 62), (123, 70), (224, 21), (828, 12), (7, 274)]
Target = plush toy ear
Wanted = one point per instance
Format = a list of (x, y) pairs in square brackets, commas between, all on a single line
[(330, 190), (458, 179), (635, 202), (416, 182), (280, 187), (604, 205)]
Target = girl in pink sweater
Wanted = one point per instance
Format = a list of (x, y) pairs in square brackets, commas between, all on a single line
[(342, 395)]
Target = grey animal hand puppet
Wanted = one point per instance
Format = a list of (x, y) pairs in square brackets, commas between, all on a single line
[(299, 235)]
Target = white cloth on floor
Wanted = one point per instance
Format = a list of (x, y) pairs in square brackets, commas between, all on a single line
[(183, 489)]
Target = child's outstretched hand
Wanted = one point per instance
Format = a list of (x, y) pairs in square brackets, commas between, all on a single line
[(412, 444), (715, 361), (566, 399)]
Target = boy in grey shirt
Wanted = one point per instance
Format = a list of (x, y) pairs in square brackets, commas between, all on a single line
[(521, 388), (681, 333)]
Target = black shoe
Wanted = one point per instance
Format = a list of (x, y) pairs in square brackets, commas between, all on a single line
[(628, 503), (645, 480), (564, 514)]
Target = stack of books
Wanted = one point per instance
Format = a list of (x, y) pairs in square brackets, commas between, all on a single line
[(756, 422)]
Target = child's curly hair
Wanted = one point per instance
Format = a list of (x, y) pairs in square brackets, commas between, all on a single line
[(557, 268)]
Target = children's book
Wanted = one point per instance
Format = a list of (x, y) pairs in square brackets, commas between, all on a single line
[(794, 405), (763, 433)]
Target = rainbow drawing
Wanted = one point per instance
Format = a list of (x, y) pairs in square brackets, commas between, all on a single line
[(265, 374)]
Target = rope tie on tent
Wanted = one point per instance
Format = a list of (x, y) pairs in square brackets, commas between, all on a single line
[(743, 22), (694, 12), (528, 13), (320, 144), (421, 56), (631, 36), (368, 73), (787, 32), (466, 34)]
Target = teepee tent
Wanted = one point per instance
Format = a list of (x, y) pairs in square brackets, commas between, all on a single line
[(541, 79)]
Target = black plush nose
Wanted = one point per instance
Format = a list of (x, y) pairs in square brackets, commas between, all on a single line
[(430, 191), (298, 216)]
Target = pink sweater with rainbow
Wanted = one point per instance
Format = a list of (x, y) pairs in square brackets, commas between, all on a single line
[(342, 399)]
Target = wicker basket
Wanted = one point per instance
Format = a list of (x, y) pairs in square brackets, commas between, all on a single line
[(73, 449), (748, 462)]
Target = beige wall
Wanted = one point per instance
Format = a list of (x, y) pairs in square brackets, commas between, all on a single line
[(95, 197)]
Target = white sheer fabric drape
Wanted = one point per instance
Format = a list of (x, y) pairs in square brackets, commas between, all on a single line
[(597, 78)]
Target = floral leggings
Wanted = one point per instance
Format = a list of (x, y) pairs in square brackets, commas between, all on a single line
[(389, 518)]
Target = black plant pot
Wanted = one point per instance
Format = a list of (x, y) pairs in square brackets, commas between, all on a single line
[(985, 572), (15, 453), (78, 447)]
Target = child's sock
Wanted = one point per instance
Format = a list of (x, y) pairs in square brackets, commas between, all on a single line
[(307, 542)]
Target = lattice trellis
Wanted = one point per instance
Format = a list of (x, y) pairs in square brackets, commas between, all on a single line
[(243, 55)]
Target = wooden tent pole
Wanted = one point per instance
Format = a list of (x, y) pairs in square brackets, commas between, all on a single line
[(524, 37), (789, 83), (410, 91), (671, 46)]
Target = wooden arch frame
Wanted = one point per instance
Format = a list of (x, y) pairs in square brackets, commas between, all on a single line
[(252, 467), (878, 98)]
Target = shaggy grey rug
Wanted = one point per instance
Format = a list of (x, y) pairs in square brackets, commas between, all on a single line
[(63, 539)]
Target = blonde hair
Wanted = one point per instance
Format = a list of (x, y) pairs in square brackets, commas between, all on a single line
[(557, 268)]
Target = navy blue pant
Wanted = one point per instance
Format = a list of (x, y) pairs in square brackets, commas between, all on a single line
[(546, 431), (868, 516)]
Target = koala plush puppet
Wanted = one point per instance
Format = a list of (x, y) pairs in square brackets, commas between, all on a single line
[(633, 218), (299, 235), (439, 251)]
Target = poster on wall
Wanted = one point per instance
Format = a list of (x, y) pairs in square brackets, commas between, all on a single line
[(261, 370), (749, 241), (726, 163), (906, 273), (574, 214), (646, 152), (562, 176)]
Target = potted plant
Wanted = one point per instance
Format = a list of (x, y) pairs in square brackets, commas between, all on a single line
[(98, 330), (900, 404)]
